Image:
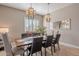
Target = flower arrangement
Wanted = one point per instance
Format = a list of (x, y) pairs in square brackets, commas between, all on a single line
[(41, 30)]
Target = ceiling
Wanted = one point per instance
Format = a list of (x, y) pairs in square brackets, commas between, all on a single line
[(41, 8)]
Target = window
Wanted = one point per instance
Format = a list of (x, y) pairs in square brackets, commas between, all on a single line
[(49, 26), (31, 24)]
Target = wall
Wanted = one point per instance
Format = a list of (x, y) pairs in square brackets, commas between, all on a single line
[(69, 36), (13, 19)]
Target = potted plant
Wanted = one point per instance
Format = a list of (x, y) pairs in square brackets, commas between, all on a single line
[(41, 30)]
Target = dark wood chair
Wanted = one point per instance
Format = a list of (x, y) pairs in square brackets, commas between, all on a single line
[(48, 43), (25, 35), (35, 34), (56, 41), (36, 46)]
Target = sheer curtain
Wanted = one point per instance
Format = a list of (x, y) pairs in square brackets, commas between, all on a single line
[(31, 24)]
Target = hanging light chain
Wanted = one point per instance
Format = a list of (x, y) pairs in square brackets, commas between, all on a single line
[(31, 5), (47, 16), (48, 7)]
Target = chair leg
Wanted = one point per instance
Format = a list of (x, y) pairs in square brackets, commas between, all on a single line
[(58, 46), (29, 54), (51, 50), (41, 52), (23, 54), (54, 48), (45, 51), (36, 53)]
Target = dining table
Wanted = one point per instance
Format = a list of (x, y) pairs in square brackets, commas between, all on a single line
[(28, 41)]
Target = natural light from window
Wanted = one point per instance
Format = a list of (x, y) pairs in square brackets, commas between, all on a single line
[(31, 24)]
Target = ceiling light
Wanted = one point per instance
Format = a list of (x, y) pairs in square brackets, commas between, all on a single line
[(48, 16), (30, 11)]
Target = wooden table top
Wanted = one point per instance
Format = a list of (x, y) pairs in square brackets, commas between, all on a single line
[(26, 41)]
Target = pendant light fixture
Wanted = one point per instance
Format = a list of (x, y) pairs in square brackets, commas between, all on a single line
[(48, 16), (30, 11)]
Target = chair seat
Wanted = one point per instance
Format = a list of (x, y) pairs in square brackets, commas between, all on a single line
[(53, 42)]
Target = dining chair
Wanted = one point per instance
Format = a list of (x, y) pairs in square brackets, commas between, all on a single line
[(56, 41), (24, 35), (48, 43), (8, 48), (36, 46), (35, 34)]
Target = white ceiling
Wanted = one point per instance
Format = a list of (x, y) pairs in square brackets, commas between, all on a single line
[(41, 8)]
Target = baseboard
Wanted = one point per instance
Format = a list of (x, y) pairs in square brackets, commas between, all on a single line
[(69, 45)]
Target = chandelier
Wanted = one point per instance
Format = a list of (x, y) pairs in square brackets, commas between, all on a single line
[(30, 11), (48, 16)]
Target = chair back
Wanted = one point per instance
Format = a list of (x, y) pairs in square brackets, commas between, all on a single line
[(7, 45), (36, 45), (57, 38), (49, 41), (36, 34), (24, 35)]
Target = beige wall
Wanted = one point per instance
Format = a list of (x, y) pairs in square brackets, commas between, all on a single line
[(14, 20), (72, 11)]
